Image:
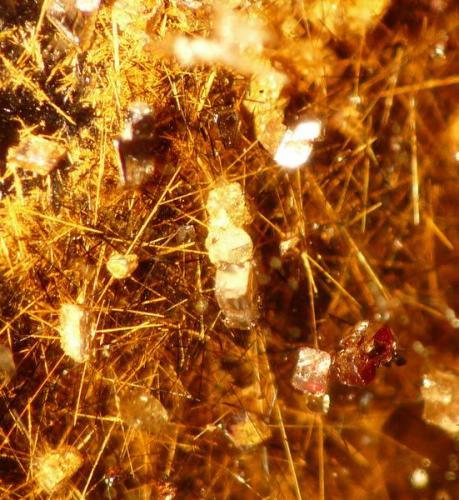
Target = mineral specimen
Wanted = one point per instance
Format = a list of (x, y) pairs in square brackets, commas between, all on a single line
[(234, 290), (230, 249), (74, 332), (247, 430), (312, 371), (296, 145), (441, 399), (7, 366), (37, 154), (362, 352), (142, 410), (121, 266), (75, 19), (137, 146), (54, 468)]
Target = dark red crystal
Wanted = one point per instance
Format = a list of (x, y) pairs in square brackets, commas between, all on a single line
[(362, 352)]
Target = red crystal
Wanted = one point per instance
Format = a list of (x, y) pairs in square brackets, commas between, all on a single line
[(362, 352)]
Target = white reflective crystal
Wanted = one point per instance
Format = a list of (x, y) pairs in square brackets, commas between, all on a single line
[(311, 372), (73, 332), (296, 145)]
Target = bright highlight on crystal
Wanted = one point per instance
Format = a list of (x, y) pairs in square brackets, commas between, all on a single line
[(296, 145), (73, 332)]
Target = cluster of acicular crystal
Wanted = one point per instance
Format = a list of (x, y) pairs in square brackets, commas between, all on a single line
[(231, 251), (354, 364)]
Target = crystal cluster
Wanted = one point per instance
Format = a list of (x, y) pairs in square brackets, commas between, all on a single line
[(354, 364), (231, 251)]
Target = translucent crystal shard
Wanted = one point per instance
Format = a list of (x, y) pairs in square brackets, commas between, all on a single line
[(234, 292), (36, 154), (7, 366), (56, 467), (137, 145), (74, 332), (142, 410), (230, 249), (264, 101), (440, 391), (226, 205), (247, 430), (75, 19), (296, 144), (230, 245), (312, 371), (121, 266)]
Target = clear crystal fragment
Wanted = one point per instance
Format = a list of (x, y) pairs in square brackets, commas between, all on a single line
[(311, 372)]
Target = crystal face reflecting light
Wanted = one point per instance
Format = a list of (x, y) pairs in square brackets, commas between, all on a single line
[(296, 145), (311, 373)]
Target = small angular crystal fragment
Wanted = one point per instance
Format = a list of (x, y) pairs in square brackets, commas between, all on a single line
[(311, 372), (229, 245), (137, 146), (36, 154), (440, 391), (296, 145), (53, 469), (121, 266), (7, 365), (142, 410), (234, 292), (248, 431), (265, 102), (288, 245), (74, 332), (346, 17), (226, 206), (75, 19), (362, 352)]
